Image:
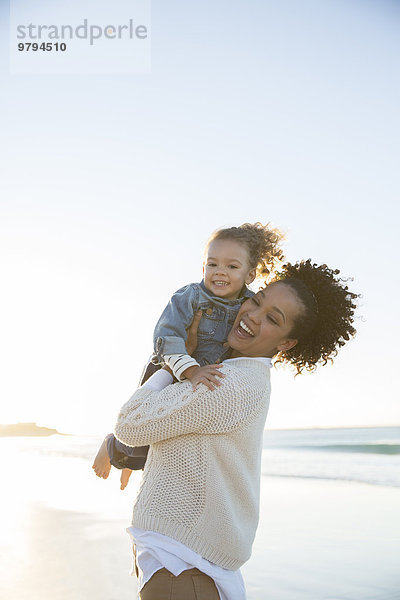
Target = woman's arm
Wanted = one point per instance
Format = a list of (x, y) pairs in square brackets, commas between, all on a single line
[(150, 416), (126, 457)]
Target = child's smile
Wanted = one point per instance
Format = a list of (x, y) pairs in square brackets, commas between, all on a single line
[(226, 269)]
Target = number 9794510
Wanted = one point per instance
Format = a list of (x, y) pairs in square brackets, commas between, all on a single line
[(44, 47)]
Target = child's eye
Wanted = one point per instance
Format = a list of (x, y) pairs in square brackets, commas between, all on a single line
[(210, 264), (271, 319), (233, 267), (254, 299)]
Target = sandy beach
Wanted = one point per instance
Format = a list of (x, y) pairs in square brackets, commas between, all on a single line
[(317, 540), (71, 556), (325, 540), (63, 529)]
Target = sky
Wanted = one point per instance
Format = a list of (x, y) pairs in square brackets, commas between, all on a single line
[(283, 112)]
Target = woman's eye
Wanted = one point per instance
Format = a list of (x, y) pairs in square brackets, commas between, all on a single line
[(271, 319), (254, 299)]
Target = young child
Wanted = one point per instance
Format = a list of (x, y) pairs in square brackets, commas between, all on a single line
[(233, 258)]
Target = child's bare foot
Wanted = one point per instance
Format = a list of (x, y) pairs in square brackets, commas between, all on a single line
[(102, 465), (125, 474)]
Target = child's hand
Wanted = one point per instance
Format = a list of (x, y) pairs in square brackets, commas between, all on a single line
[(208, 375)]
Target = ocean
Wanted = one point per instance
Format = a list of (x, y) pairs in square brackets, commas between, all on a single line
[(367, 455), (57, 473)]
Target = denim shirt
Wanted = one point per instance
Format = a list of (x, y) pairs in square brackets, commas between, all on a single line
[(217, 320)]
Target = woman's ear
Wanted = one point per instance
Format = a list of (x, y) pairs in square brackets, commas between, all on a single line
[(251, 276), (285, 346)]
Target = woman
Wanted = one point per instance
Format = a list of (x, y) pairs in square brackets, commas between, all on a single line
[(196, 513)]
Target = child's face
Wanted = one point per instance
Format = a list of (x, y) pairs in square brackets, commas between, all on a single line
[(226, 269)]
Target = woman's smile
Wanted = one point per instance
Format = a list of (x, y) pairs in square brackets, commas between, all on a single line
[(243, 330)]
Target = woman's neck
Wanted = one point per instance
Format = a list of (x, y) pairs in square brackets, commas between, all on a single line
[(237, 354)]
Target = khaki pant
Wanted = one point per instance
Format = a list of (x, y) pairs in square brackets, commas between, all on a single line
[(189, 585)]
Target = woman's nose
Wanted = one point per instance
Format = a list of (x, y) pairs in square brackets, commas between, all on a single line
[(254, 315)]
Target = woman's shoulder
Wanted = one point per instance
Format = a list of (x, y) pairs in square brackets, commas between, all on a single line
[(245, 373), (256, 363), (245, 390)]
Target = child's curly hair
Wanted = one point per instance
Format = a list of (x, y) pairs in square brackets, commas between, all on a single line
[(326, 323), (262, 243)]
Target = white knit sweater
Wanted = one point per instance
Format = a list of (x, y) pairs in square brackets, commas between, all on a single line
[(201, 481)]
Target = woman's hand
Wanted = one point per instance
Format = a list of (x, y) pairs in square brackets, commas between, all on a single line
[(209, 373), (191, 341)]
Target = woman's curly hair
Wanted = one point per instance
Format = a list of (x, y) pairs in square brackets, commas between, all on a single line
[(262, 243), (326, 323)]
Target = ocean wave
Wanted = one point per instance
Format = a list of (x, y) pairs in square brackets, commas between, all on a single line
[(358, 448), (327, 477)]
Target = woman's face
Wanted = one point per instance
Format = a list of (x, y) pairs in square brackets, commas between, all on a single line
[(264, 322)]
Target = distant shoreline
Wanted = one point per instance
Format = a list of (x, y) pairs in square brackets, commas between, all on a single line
[(332, 428), (26, 429), (34, 430)]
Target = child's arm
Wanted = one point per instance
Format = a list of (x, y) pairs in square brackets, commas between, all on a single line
[(180, 364), (192, 373), (171, 336), (183, 366), (170, 331)]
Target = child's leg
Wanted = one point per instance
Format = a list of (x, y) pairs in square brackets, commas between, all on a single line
[(126, 457), (102, 464), (149, 371), (113, 452), (125, 474)]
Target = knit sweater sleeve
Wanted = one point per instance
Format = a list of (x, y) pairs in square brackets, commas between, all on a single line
[(151, 416)]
